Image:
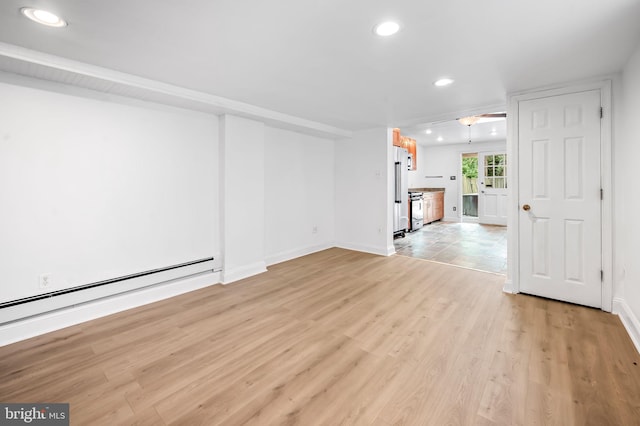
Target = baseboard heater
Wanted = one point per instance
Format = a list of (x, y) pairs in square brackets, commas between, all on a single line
[(46, 302)]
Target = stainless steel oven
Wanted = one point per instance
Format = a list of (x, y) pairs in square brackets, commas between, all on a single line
[(417, 210)]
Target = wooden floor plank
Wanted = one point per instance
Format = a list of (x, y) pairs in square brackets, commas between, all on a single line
[(338, 338)]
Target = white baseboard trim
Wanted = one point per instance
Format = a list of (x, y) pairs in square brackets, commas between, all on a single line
[(66, 317), (451, 219), (508, 287), (236, 274), (391, 250), (18, 312), (381, 251), (292, 254), (629, 320)]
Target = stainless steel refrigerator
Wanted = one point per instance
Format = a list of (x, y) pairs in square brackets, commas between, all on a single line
[(401, 196)]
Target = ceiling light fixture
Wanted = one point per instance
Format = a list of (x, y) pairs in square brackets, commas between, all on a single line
[(443, 82), (385, 29), (428, 131), (469, 121), (440, 138), (43, 17)]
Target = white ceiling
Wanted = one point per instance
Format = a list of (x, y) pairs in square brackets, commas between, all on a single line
[(452, 132), (318, 60)]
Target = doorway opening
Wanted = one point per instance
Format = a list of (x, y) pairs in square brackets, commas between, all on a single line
[(473, 201)]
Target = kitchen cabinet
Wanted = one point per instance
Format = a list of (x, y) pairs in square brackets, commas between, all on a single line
[(433, 206), (397, 138), (413, 152), (408, 144)]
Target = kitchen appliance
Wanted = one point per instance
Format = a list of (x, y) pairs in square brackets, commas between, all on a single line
[(417, 210), (401, 190)]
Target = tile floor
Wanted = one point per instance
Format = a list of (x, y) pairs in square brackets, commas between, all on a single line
[(471, 245)]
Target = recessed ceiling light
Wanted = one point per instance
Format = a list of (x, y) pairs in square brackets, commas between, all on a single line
[(43, 17), (385, 29), (429, 131), (440, 138), (443, 82)]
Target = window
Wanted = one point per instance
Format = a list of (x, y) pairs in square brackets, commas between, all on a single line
[(495, 171)]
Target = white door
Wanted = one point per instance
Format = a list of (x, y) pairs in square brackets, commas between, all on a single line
[(492, 188), (560, 207)]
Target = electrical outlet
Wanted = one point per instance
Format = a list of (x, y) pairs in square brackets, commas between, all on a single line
[(455, 208), (452, 177), (45, 281), (314, 230)]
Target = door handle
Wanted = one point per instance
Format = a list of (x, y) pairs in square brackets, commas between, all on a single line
[(398, 200), (526, 207)]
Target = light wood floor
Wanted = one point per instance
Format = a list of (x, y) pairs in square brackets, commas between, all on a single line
[(338, 337)]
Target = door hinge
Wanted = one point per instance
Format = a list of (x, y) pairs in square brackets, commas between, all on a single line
[(601, 112), (601, 194), (601, 275)]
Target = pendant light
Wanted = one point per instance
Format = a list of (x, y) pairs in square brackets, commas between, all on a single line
[(469, 121)]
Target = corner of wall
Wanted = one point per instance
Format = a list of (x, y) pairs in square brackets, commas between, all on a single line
[(391, 250)]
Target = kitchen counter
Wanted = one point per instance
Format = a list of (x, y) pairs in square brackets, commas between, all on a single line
[(433, 203), (426, 189)]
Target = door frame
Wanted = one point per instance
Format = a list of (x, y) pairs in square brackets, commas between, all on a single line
[(470, 219), (512, 284)]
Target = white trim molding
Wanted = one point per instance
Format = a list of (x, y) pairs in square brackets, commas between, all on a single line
[(51, 321), (603, 84), (629, 320), (508, 286), (61, 301), (236, 274), (32, 63), (283, 256), (381, 251)]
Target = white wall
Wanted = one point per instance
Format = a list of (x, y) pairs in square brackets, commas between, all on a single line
[(299, 194), (444, 161), (93, 190), (363, 210), (242, 195), (97, 187), (627, 153)]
